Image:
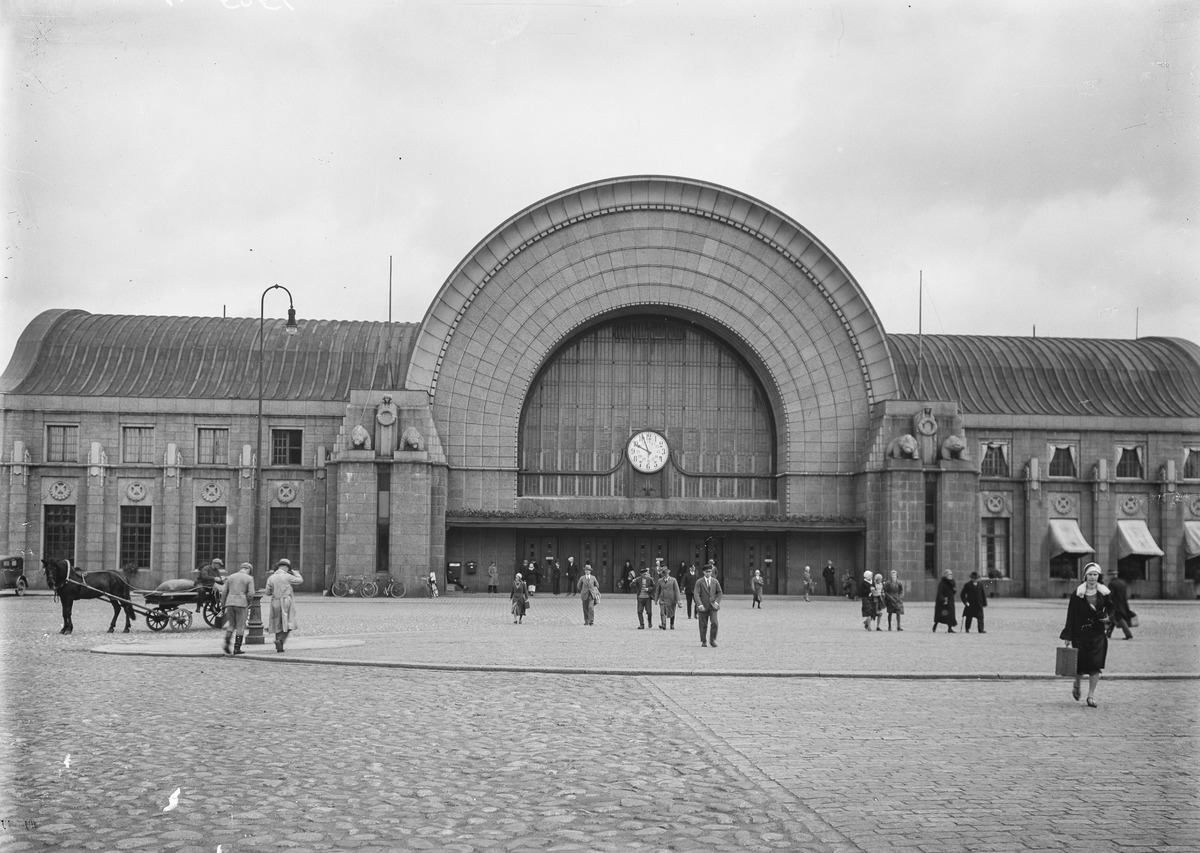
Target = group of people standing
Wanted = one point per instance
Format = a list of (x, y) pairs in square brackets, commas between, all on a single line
[(880, 597), (973, 598), (236, 593)]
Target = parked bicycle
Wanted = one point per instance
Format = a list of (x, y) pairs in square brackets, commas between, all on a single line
[(352, 584), (394, 588)]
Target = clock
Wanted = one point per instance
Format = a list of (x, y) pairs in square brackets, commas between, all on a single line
[(647, 451)]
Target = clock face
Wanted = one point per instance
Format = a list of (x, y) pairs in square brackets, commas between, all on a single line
[(647, 452)]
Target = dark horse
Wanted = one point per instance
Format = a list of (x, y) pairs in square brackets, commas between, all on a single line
[(71, 585)]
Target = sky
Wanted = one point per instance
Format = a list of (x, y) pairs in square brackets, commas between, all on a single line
[(1025, 165)]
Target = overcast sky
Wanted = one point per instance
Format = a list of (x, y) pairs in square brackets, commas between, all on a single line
[(1037, 161)]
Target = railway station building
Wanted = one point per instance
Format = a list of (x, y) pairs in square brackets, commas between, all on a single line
[(638, 369)]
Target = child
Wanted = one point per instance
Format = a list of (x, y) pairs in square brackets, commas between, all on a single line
[(877, 601)]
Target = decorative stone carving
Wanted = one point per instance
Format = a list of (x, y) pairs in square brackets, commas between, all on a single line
[(360, 439), (286, 493), (136, 492), (1063, 504), (60, 491), (954, 448), (386, 416), (904, 447), (1131, 504), (412, 439), (996, 504), (1194, 506), (211, 492)]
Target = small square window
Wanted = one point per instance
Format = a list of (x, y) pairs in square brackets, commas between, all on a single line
[(286, 446), (62, 443), (995, 459), (212, 446), (1129, 464), (1191, 464), (1062, 464), (137, 444)]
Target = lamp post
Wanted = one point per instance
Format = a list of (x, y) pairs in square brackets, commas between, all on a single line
[(291, 328)]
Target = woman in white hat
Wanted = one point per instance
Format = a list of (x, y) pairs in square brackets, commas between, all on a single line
[(1089, 613)]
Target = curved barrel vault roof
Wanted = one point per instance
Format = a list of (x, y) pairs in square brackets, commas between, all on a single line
[(654, 244)]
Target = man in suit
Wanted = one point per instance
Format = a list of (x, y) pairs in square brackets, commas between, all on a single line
[(828, 573), (708, 602), (235, 601), (643, 587), (589, 594), (572, 572)]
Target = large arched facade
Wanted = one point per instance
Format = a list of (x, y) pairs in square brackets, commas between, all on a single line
[(742, 275)]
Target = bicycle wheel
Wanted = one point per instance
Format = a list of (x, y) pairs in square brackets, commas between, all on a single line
[(340, 588), (370, 589)]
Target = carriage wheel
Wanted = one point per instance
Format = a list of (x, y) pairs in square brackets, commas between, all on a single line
[(21, 584), (213, 617), (180, 619), (156, 620), (369, 589)]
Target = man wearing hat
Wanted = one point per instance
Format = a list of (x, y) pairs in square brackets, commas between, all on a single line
[(974, 599), (235, 601), (708, 602), (643, 586), (210, 576)]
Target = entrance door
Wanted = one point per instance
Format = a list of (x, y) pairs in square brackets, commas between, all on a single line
[(701, 549), (598, 551), (647, 549), (760, 554), (540, 550)]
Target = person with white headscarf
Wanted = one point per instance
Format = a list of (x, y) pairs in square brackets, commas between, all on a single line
[(1089, 613)]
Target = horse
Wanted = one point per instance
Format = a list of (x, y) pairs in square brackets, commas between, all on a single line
[(70, 585)]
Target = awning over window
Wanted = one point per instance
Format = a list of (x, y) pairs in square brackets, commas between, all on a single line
[(1133, 537), (1191, 538), (1067, 537)]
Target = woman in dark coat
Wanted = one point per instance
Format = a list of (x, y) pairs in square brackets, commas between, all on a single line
[(519, 598), (868, 604), (1089, 613), (943, 604)]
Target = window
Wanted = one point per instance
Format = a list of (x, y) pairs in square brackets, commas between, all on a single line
[(59, 523), (62, 444), (931, 518), (1062, 464), (137, 444), (1191, 464), (210, 533), (212, 447), (995, 459), (135, 537), (285, 535), (993, 547), (1065, 567), (286, 445), (1132, 568), (1129, 463)]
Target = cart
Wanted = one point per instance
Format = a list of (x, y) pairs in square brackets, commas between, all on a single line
[(171, 606), (12, 574)]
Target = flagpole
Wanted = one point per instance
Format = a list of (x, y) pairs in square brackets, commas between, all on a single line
[(920, 335)]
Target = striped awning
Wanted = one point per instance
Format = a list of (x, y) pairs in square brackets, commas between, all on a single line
[(1067, 538), (1191, 538), (1134, 537)]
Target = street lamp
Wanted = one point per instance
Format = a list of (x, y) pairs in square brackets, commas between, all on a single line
[(291, 328)]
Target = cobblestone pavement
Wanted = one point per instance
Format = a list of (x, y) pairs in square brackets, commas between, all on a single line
[(317, 756)]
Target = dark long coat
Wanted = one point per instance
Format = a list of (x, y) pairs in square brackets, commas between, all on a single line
[(943, 603), (1087, 630)]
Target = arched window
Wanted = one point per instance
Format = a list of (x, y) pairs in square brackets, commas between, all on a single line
[(652, 373)]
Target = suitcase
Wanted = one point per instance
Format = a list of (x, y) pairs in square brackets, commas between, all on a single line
[(1066, 661)]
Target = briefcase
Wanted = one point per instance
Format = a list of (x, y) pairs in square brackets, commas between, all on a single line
[(1066, 661)]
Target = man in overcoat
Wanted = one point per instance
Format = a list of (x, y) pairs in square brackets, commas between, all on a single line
[(235, 601), (708, 603), (974, 599), (643, 588), (666, 593)]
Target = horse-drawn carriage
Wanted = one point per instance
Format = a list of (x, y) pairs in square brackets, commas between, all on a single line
[(12, 574), (165, 606)]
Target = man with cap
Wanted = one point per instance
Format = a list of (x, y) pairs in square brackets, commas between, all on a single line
[(974, 599), (643, 587), (210, 576), (589, 593), (235, 601), (708, 602)]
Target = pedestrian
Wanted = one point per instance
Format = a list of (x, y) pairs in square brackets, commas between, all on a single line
[(629, 576), (864, 593), (756, 588), (493, 577), (689, 587), (809, 584), (1122, 615), (1089, 613), (589, 593), (533, 579), (849, 588), (555, 575), (943, 603), (280, 586), (708, 602), (974, 599), (829, 573), (209, 583), (643, 586), (666, 593), (572, 572), (893, 599), (235, 602), (519, 598), (432, 584), (877, 600)]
